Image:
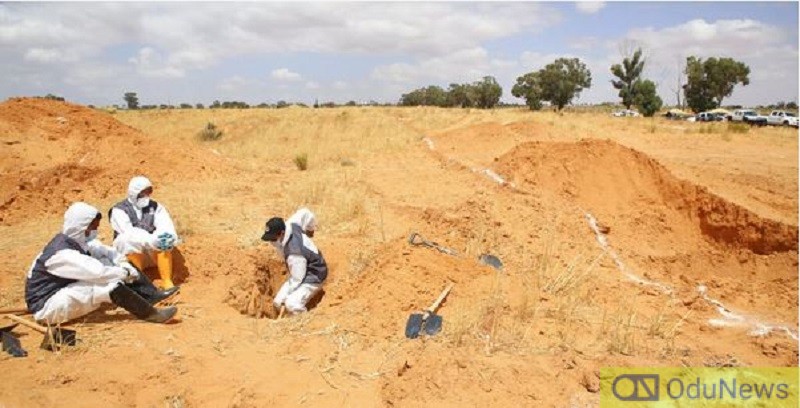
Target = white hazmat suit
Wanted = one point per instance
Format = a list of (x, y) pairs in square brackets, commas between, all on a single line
[(138, 224), (90, 265)]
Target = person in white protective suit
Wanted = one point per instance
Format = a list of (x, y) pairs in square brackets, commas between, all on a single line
[(305, 219), (307, 267), (75, 274), (144, 231)]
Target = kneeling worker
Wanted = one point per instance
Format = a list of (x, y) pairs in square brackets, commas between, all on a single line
[(74, 275), (307, 267)]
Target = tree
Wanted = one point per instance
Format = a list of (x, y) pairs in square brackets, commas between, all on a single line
[(460, 95), (646, 99), (487, 92), (132, 100), (559, 82), (712, 80), (628, 73)]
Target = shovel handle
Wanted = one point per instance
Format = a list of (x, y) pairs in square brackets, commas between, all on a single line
[(440, 299), (14, 310), (26, 322)]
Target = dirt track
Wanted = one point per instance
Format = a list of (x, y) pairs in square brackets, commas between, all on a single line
[(678, 214)]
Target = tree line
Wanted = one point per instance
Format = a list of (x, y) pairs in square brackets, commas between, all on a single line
[(708, 83)]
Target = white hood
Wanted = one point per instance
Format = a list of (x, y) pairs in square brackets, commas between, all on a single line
[(304, 218), (77, 218), (136, 186)]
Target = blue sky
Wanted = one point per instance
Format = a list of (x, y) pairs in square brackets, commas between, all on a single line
[(256, 52)]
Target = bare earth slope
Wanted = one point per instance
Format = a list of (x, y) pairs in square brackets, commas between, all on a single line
[(692, 269)]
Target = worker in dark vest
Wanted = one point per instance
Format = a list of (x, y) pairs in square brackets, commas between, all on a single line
[(75, 274), (144, 231), (307, 267)]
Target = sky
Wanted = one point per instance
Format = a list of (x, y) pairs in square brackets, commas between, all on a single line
[(198, 52)]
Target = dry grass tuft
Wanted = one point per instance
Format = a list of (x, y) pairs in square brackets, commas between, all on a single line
[(301, 161)]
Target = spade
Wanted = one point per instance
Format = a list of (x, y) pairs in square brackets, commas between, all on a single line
[(11, 343), (54, 337), (428, 321)]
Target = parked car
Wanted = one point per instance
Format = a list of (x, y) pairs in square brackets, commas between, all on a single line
[(782, 118), (624, 113), (748, 116), (709, 117)]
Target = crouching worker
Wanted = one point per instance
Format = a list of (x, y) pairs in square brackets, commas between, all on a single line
[(75, 274), (144, 231), (307, 267)]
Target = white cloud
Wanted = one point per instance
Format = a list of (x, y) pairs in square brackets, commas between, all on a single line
[(150, 63), (339, 85), (465, 65), (233, 83), (284, 74), (49, 55), (312, 85), (589, 7)]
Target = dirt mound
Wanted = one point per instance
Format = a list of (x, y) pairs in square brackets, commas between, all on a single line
[(626, 186), (60, 152), (253, 291), (57, 119)]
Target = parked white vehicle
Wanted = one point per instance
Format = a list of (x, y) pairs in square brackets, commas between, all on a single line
[(782, 118), (748, 116), (625, 112)]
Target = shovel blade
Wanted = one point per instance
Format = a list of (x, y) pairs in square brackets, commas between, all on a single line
[(433, 324), (414, 325), (491, 260), (11, 344), (57, 338)]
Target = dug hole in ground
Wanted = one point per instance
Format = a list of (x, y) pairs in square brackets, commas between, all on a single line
[(631, 242)]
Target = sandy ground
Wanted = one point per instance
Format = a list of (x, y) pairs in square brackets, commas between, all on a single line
[(625, 242)]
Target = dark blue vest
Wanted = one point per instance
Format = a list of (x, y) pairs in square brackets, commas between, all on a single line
[(148, 220), (42, 284), (316, 268)]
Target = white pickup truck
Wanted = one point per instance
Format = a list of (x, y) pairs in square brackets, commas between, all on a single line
[(782, 118), (748, 116)]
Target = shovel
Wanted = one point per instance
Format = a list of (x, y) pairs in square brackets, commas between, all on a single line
[(428, 321), (11, 343), (54, 337), (486, 259)]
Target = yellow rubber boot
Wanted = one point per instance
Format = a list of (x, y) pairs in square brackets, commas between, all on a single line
[(138, 260), (164, 261)]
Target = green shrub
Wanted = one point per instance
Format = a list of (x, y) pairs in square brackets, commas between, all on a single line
[(210, 133)]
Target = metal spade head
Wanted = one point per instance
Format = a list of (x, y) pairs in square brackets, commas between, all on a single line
[(414, 325), (56, 338), (11, 343), (491, 260), (433, 324)]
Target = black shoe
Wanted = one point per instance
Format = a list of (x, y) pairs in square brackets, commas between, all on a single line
[(162, 295), (128, 299), (149, 291)]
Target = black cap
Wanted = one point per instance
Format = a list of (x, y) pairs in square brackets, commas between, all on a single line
[(274, 227)]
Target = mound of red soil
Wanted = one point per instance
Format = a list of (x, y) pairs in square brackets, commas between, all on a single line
[(622, 184), (60, 152)]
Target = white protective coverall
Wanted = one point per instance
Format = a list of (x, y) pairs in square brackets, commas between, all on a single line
[(131, 239), (304, 218), (294, 293), (96, 274)]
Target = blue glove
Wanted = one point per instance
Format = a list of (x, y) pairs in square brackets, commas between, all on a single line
[(166, 241)]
